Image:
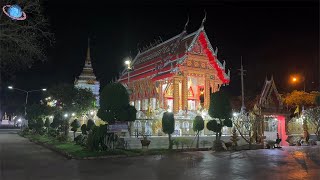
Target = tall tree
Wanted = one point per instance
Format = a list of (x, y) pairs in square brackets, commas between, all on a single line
[(70, 99), (301, 98), (114, 104), (220, 108), (198, 125), (23, 42), (168, 125)]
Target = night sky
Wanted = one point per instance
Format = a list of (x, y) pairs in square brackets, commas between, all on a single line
[(274, 38)]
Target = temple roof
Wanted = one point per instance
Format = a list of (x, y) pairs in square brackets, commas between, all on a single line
[(87, 74), (269, 93), (163, 60)]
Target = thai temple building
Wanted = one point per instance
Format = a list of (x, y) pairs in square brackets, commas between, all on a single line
[(87, 79), (176, 75)]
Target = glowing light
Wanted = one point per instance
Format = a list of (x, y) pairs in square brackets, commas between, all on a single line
[(127, 62), (235, 114), (294, 79), (73, 114), (10, 87), (14, 12), (19, 120), (65, 115), (91, 113), (44, 89), (51, 117)]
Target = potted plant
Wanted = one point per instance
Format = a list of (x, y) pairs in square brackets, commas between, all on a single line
[(145, 142)]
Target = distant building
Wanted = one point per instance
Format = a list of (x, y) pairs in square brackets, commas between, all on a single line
[(87, 79)]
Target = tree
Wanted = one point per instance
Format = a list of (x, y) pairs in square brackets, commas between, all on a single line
[(57, 121), (313, 116), (114, 104), (39, 125), (84, 129), (300, 98), (219, 108), (74, 127), (36, 111), (23, 42), (71, 99), (47, 124), (90, 124), (198, 125), (168, 125)]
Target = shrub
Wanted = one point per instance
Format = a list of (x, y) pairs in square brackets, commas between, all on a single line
[(90, 124), (168, 125), (62, 138), (53, 132), (24, 132), (81, 140), (84, 129), (75, 125)]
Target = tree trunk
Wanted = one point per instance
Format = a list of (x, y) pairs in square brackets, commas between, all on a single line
[(217, 136), (74, 135), (170, 142), (198, 139)]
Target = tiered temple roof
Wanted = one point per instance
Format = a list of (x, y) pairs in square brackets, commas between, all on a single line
[(87, 74), (163, 60)]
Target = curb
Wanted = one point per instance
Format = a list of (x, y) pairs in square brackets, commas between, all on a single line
[(66, 155)]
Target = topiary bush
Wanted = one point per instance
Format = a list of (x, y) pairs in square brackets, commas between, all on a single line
[(84, 129), (90, 124), (81, 140)]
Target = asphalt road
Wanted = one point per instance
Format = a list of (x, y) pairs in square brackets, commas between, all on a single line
[(21, 159)]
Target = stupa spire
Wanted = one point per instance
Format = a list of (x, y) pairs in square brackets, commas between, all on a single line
[(88, 58)]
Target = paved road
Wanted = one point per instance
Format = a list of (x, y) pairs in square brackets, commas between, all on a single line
[(20, 160)]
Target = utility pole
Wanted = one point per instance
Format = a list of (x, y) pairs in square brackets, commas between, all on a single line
[(243, 108)]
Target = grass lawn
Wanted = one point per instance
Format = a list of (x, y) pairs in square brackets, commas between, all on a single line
[(78, 151)]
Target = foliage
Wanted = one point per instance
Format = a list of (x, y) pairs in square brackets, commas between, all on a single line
[(57, 121), (198, 125), (114, 104), (81, 140), (71, 99), (84, 129), (75, 126), (220, 106), (317, 100), (313, 116), (47, 123), (53, 132), (39, 125), (23, 42), (183, 142), (62, 138), (36, 111), (90, 124), (96, 138), (168, 125), (300, 98)]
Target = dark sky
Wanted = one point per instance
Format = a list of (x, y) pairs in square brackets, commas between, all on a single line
[(274, 38)]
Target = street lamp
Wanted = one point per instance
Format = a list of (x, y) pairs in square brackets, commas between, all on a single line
[(297, 79), (27, 95), (128, 62)]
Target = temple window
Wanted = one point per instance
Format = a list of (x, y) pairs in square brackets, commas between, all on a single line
[(138, 105), (153, 103), (191, 105), (148, 128), (145, 104), (185, 125)]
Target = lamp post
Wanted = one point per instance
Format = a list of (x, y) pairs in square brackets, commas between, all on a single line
[(127, 62), (27, 95)]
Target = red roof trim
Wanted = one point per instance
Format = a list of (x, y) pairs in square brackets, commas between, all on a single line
[(212, 59)]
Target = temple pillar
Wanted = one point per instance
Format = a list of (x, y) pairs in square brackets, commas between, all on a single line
[(184, 94), (206, 91), (160, 95), (175, 94)]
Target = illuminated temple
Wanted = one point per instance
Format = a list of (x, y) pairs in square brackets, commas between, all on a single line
[(176, 75), (87, 79)]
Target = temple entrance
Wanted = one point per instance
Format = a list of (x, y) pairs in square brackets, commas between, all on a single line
[(275, 124)]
